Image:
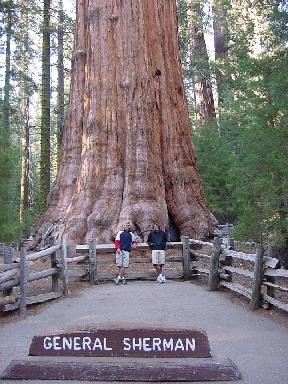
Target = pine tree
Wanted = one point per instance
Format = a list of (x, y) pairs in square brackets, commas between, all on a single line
[(25, 108), (60, 80), (195, 63), (213, 155), (9, 223), (264, 136), (199, 64), (45, 109), (253, 117)]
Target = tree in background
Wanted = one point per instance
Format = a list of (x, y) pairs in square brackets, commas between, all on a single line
[(252, 83), (220, 9), (60, 79), (8, 10), (199, 63), (20, 145), (260, 104), (195, 62), (55, 23), (45, 109), (251, 113), (213, 154), (26, 87), (9, 222), (244, 168)]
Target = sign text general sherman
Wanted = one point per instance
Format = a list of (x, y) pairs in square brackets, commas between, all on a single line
[(148, 342)]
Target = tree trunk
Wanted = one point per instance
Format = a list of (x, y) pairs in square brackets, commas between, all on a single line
[(219, 10), (45, 110), (204, 102), (60, 80), (127, 152), (6, 102), (25, 130)]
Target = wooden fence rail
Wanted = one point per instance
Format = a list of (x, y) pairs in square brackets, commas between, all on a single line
[(218, 275), (219, 259), (265, 270), (93, 256), (17, 275)]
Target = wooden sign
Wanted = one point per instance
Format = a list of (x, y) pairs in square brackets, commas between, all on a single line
[(121, 369), (122, 354), (127, 342)]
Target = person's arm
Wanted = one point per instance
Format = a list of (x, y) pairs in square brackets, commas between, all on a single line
[(164, 240), (134, 241), (149, 240), (117, 242)]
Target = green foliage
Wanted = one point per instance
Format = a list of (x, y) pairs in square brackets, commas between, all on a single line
[(9, 220), (215, 161), (261, 194), (243, 158), (194, 59), (254, 122), (23, 69)]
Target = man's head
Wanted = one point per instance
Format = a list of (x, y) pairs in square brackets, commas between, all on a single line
[(126, 226), (156, 227)]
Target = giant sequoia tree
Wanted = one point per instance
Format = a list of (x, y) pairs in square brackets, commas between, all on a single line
[(127, 151)]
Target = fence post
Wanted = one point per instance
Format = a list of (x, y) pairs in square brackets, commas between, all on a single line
[(92, 261), (8, 254), (64, 264), (23, 281), (53, 265), (270, 290), (230, 239), (257, 280), (228, 234), (186, 256), (213, 280), (8, 258)]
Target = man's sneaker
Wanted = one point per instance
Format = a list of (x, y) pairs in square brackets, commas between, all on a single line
[(124, 281), (163, 279), (118, 280)]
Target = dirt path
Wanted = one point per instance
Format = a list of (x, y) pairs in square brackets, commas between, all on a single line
[(256, 344)]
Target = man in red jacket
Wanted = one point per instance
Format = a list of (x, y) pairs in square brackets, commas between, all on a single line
[(123, 244)]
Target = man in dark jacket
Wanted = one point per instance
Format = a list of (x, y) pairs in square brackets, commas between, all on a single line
[(157, 242)]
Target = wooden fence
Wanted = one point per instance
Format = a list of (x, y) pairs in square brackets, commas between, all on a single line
[(216, 261), (16, 274), (94, 253), (260, 287)]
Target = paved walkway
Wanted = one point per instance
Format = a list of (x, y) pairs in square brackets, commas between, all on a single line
[(257, 345)]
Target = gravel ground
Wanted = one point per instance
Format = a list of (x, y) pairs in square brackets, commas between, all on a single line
[(255, 343)]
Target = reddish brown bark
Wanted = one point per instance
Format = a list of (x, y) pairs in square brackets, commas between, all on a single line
[(221, 41), (203, 93), (127, 151)]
